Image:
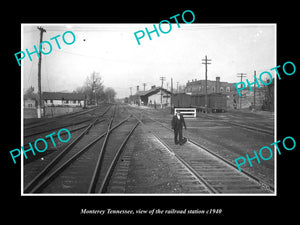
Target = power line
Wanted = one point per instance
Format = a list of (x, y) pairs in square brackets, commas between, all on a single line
[(241, 75), (206, 62), (161, 94), (42, 30), (162, 81)]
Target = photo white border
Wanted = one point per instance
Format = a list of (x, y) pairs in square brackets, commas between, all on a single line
[(149, 194)]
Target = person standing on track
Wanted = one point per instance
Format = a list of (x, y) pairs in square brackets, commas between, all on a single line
[(177, 125)]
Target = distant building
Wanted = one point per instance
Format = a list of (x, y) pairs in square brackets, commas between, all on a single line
[(30, 100), (156, 96), (263, 99), (198, 86), (63, 99)]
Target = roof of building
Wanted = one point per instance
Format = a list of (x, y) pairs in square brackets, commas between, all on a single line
[(152, 91), (197, 82), (61, 95), (31, 96)]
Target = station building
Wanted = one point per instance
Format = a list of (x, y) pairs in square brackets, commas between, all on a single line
[(156, 96)]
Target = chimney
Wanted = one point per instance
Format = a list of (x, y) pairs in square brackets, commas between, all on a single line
[(137, 88), (217, 84), (153, 86)]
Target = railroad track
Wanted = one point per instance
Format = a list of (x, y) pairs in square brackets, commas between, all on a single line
[(57, 124), (37, 123), (217, 174), (236, 124), (63, 121), (244, 126), (86, 165), (74, 127)]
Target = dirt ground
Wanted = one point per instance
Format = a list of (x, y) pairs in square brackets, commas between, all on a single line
[(227, 140)]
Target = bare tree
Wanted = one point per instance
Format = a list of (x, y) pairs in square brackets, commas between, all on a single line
[(92, 88), (29, 91)]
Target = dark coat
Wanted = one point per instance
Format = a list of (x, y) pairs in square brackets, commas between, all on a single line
[(178, 123)]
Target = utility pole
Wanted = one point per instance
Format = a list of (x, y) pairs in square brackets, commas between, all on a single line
[(240, 98), (177, 87), (144, 84), (254, 90), (162, 81), (39, 112), (161, 94), (130, 97), (206, 61), (171, 94), (167, 100)]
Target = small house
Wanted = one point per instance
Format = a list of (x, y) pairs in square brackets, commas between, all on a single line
[(30, 100)]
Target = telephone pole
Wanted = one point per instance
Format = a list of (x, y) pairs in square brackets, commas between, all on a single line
[(206, 62), (161, 94), (39, 112), (130, 97), (171, 94), (254, 90), (144, 84), (240, 98)]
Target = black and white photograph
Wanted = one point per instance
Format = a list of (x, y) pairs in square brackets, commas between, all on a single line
[(137, 112), (144, 109)]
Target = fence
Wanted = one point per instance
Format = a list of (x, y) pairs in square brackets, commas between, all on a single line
[(186, 112)]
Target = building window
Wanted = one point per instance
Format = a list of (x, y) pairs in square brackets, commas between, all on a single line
[(227, 89), (213, 89), (74, 101), (221, 89)]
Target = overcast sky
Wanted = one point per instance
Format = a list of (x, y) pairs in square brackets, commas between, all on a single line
[(113, 52)]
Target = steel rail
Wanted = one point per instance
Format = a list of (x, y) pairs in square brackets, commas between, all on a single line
[(61, 168), (107, 177), (38, 177), (47, 179), (51, 129), (94, 180), (231, 164), (219, 157), (39, 123), (191, 169), (96, 172), (237, 124), (219, 120), (54, 136)]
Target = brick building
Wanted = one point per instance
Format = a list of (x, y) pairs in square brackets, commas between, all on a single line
[(213, 86), (264, 96)]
